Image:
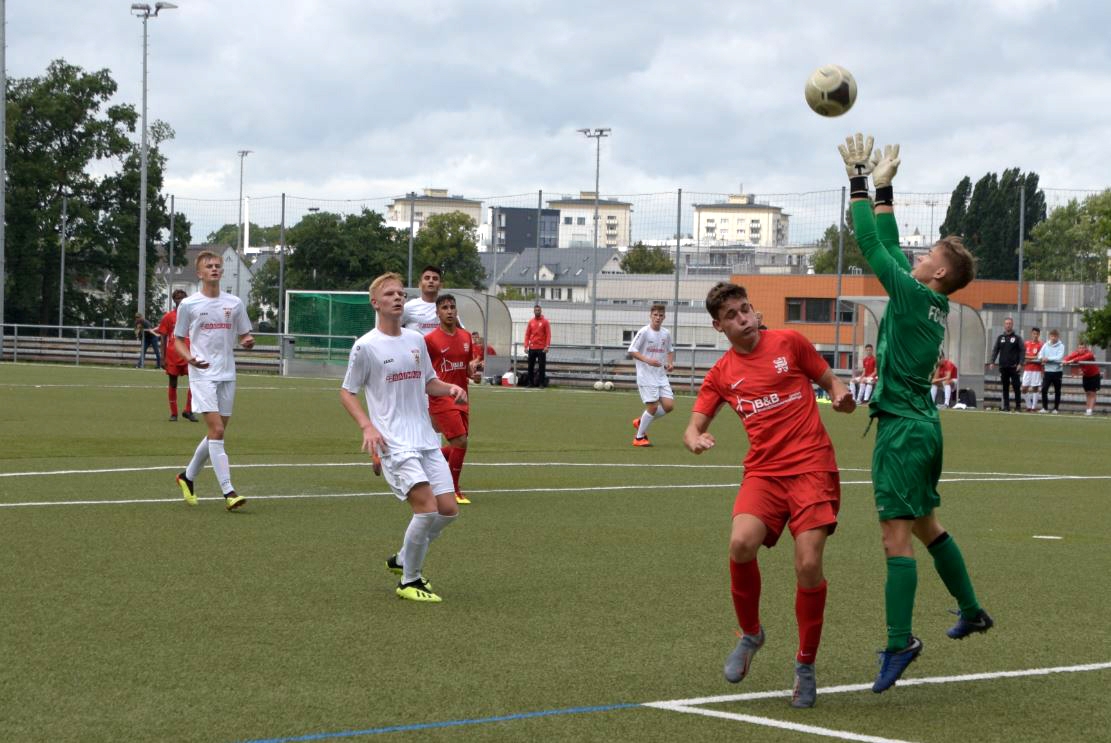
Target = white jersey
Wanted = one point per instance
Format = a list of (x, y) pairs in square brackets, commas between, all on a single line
[(394, 369), (656, 345), (420, 316), (213, 326)]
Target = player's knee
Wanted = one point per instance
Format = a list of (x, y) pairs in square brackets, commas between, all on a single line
[(808, 569), (743, 548), (459, 442), (651, 407), (216, 431), (668, 404)]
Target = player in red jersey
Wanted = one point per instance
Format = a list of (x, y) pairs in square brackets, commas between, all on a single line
[(790, 473), (456, 361), (945, 377), (1032, 371), (865, 378), (1090, 374), (175, 366)]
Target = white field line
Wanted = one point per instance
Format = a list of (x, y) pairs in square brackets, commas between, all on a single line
[(694, 706), (780, 724)]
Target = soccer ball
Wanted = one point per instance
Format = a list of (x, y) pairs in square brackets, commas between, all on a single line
[(830, 90), (599, 385), (609, 386)]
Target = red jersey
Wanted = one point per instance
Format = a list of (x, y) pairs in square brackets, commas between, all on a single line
[(770, 390), (166, 330), (538, 334), (1032, 348), (1086, 370), (450, 355), (869, 366), (947, 367)]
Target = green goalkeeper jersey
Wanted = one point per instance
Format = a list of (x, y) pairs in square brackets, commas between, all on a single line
[(913, 326)]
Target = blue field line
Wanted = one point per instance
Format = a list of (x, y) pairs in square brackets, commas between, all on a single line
[(445, 724)]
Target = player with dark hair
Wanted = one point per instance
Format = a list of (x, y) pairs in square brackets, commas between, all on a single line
[(1032, 370), (455, 361), (175, 366), (907, 459), (1009, 351), (420, 312), (655, 357), (790, 472)]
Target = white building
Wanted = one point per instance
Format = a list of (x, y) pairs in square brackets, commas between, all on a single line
[(740, 220), (432, 201), (576, 221)]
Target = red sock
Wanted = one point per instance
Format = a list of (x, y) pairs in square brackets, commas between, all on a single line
[(172, 395), (744, 579), (810, 609), (455, 464), (189, 401)]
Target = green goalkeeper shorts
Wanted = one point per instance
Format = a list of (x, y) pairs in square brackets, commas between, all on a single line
[(906, 465)]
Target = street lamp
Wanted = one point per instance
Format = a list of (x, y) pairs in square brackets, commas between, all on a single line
[(144, 11), (240, 251), (596, 135)]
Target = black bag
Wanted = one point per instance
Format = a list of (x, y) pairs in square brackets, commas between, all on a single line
[(968, 397)]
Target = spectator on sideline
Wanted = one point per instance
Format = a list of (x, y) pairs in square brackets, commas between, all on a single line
[(538, 338), (1032, 371), (945, 377), (1051, 355), (144, 331), (1090, 374), (1008, 350), (864, 378), (175, 365)]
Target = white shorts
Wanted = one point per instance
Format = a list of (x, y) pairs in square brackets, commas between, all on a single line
[(1032, 379), (212, 397), (655, 392), (405, 470)]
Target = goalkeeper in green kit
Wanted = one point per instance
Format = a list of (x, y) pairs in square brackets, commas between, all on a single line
[(906, 461)]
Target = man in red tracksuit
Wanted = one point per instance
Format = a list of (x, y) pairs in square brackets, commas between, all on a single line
[(538, 337)]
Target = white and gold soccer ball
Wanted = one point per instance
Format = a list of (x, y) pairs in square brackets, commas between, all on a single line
[(609, 386), (830, 90), (599, 385)]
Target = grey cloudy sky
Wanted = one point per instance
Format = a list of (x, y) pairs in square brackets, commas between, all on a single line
[(358, 98)]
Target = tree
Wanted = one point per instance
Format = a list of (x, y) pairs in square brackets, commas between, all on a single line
[(825, 259), (1098, 324), (60, 131), (1071, 244), (642, 259), (227, 235), (990, 221), (334, 252), (449, 241)]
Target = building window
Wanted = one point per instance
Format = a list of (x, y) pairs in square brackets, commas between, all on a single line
[(581, 220), (567, 220), (627, 336), (811, 310)]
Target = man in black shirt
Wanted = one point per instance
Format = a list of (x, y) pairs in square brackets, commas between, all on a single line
[(1010, 350)]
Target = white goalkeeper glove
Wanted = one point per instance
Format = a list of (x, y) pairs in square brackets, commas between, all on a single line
[(884, 168), (857, 154)]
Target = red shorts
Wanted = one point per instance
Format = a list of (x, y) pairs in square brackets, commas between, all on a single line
[(177, 369), (451, 422), (807, 501)]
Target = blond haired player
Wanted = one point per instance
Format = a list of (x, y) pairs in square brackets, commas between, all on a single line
[(391, 365), (655, 357)]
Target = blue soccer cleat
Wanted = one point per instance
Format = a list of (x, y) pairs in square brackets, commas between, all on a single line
[(894, 662), (738, 662), (980, 622)]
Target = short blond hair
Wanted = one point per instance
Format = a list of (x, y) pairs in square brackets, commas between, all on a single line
[(205, 255), (378, 282), (962, 264)]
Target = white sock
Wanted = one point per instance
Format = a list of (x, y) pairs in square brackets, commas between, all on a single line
[(415, 546), (440, 523), (948, 394), (933, 395), (867, 393), (852, 391), (646, 419), (220, 466), (196, 464)]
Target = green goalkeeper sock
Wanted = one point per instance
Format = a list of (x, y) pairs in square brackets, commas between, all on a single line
[(902, 582), (949, 564)]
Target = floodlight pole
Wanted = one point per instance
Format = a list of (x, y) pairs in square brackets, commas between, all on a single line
[(240, 250), (3, 178), (412, 207), (595, 134), (144, 11)]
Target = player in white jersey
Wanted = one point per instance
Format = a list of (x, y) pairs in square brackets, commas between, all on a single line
[(420, 312), (213, 321), (655, 357), (391, 364)]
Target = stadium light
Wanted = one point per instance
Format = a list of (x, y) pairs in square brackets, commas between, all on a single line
[(240, 254), (144, 11), (596, 135)]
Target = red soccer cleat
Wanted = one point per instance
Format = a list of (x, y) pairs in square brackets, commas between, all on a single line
[(642, 442)]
